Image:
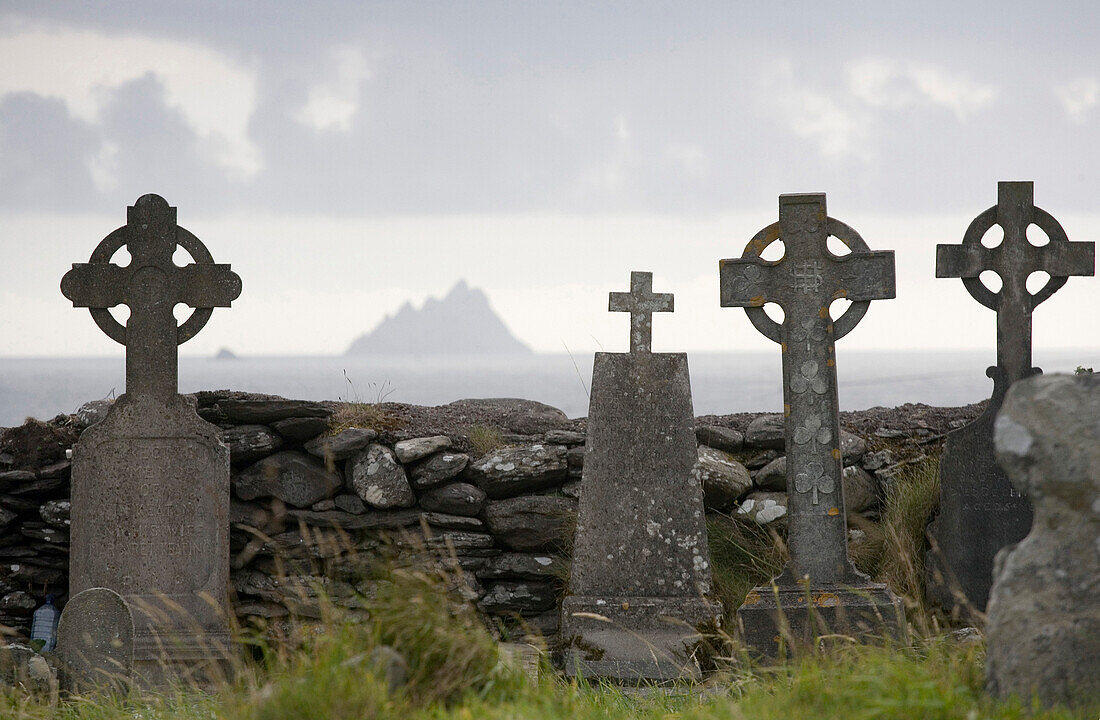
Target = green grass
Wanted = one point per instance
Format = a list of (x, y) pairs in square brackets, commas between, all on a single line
[(484, 439)]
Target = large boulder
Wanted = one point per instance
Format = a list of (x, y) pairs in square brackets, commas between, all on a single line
[(531, 522), (766, 431), (1043, 616), (379, 479), (510, 471), (292, 476), (723, 479)]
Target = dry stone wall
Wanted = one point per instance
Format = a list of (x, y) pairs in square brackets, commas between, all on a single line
[(487, 486)]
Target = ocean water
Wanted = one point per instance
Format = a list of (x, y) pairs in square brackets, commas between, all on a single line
[(721, 383)]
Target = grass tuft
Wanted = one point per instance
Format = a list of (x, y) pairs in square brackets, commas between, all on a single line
[(484, 439)]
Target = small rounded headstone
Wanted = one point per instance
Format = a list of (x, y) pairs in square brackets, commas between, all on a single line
[(95, 638)]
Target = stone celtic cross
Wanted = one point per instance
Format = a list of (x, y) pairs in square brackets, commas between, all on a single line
[(151, 285), (641, 302), (980, 512), (804, 283), (1014, 260)]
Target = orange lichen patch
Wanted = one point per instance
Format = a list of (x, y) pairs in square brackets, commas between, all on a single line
[(782, 347), (757, 301), (823, 312), (753, 598), (836, 453), (830, 362), (841, 293), (833, 512), (626, 606), (826, 599), (786, 408)]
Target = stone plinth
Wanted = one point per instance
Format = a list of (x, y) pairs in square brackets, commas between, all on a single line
[(640, 573)]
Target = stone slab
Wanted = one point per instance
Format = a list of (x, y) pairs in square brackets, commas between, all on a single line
[(95, 640)]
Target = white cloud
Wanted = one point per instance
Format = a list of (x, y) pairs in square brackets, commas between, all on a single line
[(611, 174), (1078, 97), (689, 157), (814, 115), (894, 85), (215, 95), (333, 102), (103, 167)]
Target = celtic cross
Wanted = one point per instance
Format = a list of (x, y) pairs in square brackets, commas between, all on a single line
[(151, 286), (804, 282)]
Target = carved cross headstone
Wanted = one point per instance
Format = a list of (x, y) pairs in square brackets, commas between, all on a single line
[(150, 483), (640, 573), (641, 303), (980, 511), (804, 283)]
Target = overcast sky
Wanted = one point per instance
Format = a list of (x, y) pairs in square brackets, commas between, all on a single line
[(347, 156)]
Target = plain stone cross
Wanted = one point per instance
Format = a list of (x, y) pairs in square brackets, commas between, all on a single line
[(151, 285), (804, 283), (1014, 260), (641, 302)]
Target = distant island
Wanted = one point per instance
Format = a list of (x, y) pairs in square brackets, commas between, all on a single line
[(462, 323)]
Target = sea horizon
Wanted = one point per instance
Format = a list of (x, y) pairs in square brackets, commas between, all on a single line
[(722, 383)]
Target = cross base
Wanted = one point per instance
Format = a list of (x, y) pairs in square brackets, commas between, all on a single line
[(635, 639), (777, 619)]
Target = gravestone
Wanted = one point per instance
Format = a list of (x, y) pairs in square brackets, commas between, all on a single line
[(150, 483), (640, 574), (980, 511), (1043, 621), (96, 641), (819, 591)]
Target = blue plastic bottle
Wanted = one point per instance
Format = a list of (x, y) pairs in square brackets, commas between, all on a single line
[(44, 624)]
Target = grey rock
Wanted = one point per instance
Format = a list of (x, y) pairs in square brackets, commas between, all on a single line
[(453, 522), (440, 467), (266, 412), (761, 459), (877, 460), (342, 445), (764, 508), (528, 523), (350, 503), (852, 447), (722, 478), (720, 438), (379, 480), (11, 479), (370, 520), (572, 489), (92, 412), (1043, 627), (408, 451), (574, 458), (323, 505), (510, 471), (766, 431), (456, 499), (298, 429), (523, 566), (21, 666), (518, 597), (391, 666), (6, 517), (564, 437), (772, 476), (248, 443), (292, 476), (60, 469), (524, 417), (891, 433), (860, 489), (17, 603)]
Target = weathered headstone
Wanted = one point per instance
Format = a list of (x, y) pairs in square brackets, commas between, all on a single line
[(96, 641), (641, 574), (1043, 624), (150, 484), (819, 591), (980, 511)]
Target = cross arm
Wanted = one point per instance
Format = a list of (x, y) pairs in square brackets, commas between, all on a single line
[(866, 275), (1059, 259), (743, 282), (208, 285), (96, 285)]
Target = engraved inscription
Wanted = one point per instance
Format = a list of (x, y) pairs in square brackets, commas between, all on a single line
[(807, 276)]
